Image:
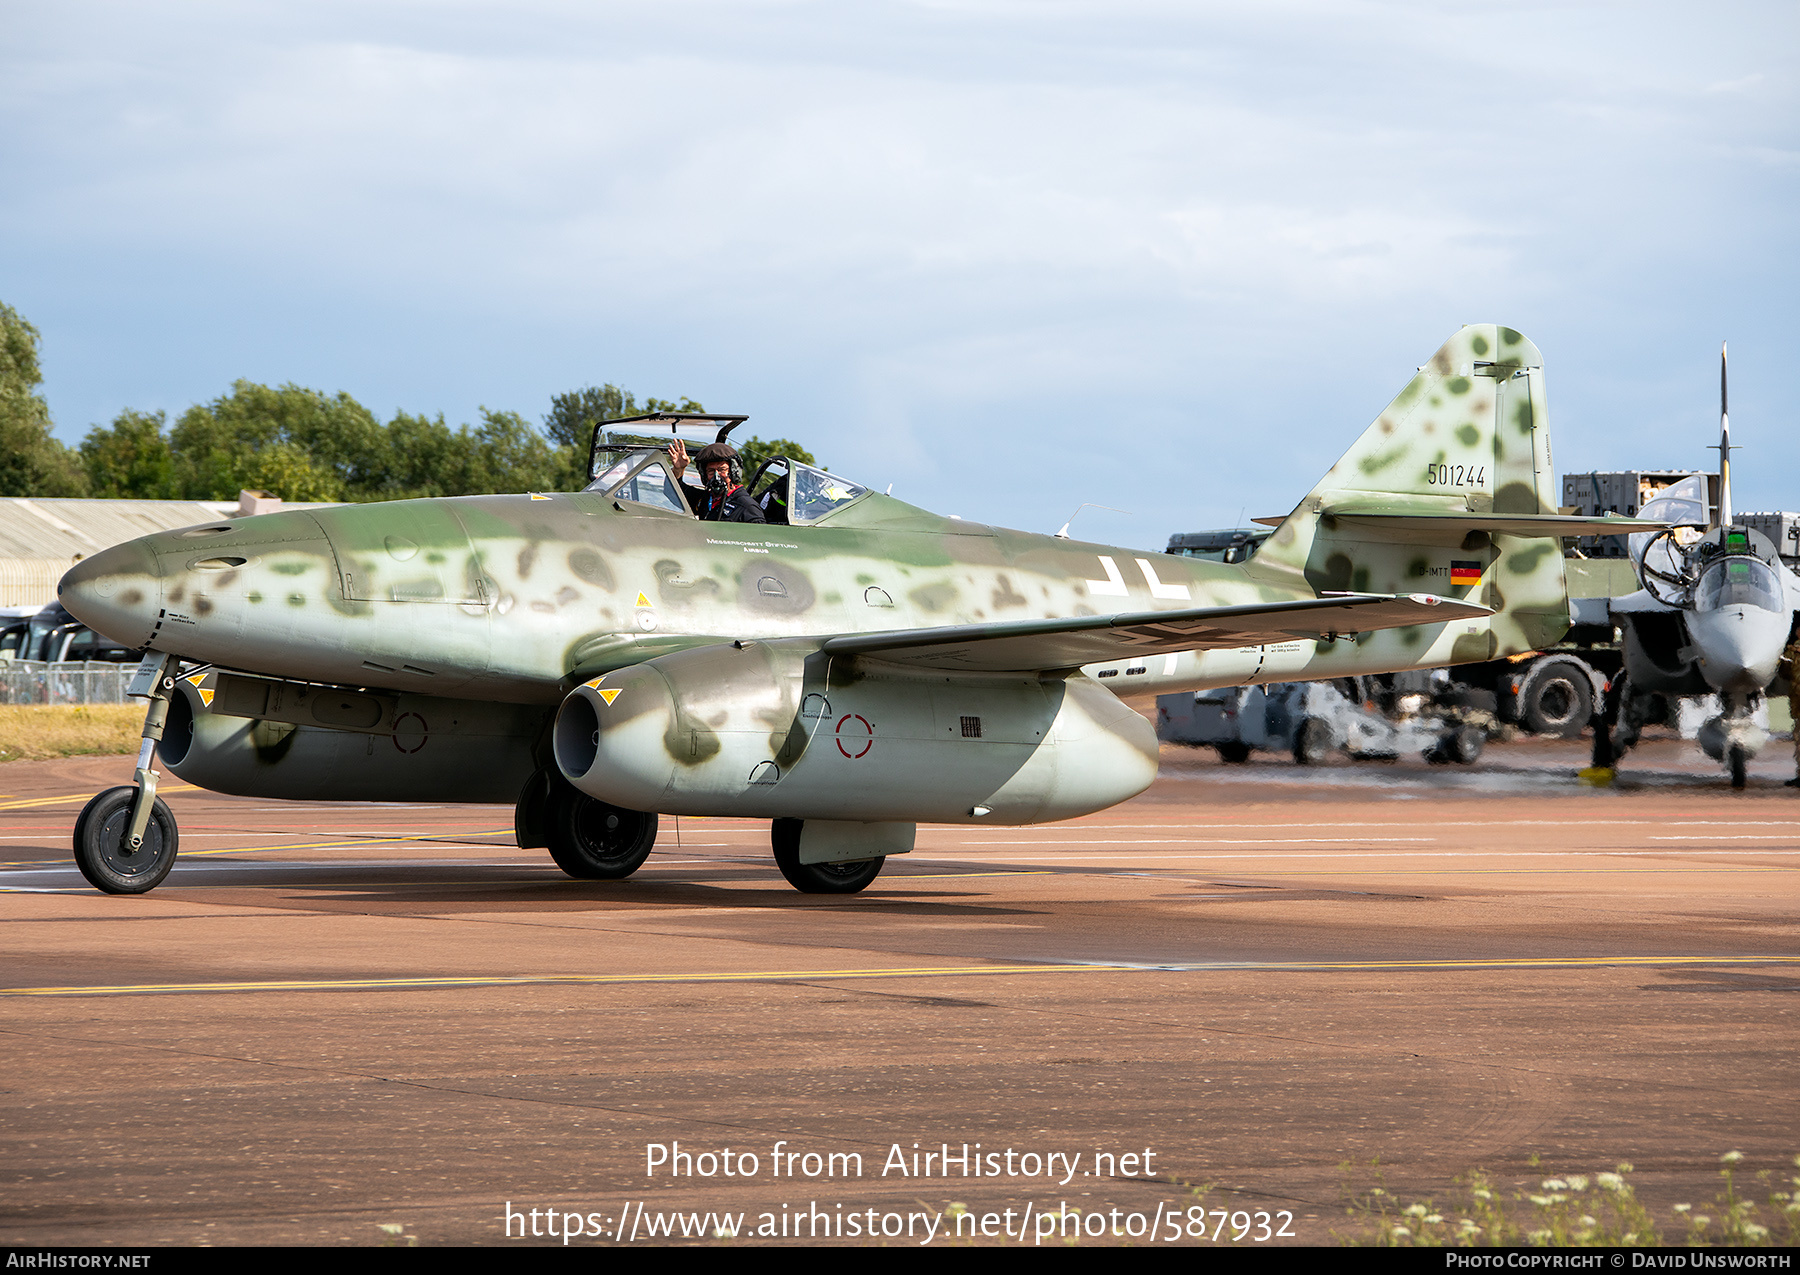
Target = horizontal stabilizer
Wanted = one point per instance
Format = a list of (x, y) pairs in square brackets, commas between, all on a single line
[(1411, 524), (1034, 645)]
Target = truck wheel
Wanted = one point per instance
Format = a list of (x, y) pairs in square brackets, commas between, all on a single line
[(1557, 699), (1235, 750), (1312, 742)]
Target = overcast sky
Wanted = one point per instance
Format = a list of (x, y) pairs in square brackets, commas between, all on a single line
[(1010, 257)]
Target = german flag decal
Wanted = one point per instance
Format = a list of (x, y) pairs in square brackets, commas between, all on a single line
[(1465, 572)]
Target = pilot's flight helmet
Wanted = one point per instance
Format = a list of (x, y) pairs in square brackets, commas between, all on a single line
[(713, 453)]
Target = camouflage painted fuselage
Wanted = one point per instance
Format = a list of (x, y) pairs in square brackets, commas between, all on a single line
[(518, 599)]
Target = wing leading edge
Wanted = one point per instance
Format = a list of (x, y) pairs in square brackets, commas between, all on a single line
[(1032, 645)]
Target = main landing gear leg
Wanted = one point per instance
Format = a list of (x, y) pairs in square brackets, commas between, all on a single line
[(125, 838)]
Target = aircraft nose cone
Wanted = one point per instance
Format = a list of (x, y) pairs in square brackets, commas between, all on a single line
[(1740, 647), (116, 592)]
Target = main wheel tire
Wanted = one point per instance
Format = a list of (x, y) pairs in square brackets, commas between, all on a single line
[(1312, 742), (1558, 699), (1740, 768), (1234, 751), (597, 842), (818, 878), (100, 850)]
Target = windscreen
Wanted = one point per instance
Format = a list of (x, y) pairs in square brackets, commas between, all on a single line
[(651, 485), (1738, 582), (817, 493), (644, 479)]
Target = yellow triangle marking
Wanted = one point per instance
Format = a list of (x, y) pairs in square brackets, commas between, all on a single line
[(196, 679), (642, 600), (595, 682), (610, 693), (535, 496), (206, 698)]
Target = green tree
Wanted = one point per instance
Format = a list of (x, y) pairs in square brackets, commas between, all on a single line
[(574, 416), (755, 451), (303, 445), (296, 443), (504, 453), (669, 405), (130, 458), (422, 453), (32, 461)]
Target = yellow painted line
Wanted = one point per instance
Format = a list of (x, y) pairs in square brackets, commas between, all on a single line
[(947, 971), (84, 796), (328, 845), (306, 845)]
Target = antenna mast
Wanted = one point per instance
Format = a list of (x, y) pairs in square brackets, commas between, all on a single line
[(1724, 446)]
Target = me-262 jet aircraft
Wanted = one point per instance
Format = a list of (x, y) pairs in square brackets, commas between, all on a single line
[(849, 669)]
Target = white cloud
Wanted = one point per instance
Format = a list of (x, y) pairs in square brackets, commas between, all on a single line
[(906, 215)]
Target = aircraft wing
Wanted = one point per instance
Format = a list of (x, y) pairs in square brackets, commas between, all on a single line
[(1034, 645), (1639, 601)]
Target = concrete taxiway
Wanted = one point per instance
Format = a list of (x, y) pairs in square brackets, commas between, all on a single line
[(333, 1017)]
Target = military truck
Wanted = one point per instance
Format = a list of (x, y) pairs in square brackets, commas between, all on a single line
[(1552, 691)]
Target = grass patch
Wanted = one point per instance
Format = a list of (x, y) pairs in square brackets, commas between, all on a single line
[(1576, 1209), (37, 732)]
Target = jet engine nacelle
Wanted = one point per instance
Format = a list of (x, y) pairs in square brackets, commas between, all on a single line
[(765, 730), (426, 748)]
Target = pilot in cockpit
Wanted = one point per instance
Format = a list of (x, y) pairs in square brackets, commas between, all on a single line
[(723, 499)]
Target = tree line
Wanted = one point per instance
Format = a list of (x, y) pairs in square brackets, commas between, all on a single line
[(300, 444)]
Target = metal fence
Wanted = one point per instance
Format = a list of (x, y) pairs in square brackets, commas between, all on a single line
[(74, 682)]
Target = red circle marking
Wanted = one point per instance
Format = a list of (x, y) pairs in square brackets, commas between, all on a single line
[(867, 744), (424, 733)]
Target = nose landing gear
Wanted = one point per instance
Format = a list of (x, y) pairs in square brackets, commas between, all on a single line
[(125, 838)]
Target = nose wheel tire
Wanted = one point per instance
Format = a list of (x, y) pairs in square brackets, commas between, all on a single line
[(1739, 767), (102, 855), (818, 878), (597, 842)]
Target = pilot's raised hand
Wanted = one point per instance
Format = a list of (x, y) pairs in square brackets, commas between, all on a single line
[(678, 457)]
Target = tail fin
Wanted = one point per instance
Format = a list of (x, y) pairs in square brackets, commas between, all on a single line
[(1450, 491)]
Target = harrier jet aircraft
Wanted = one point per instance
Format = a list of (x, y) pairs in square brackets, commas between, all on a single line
[(848, 669)]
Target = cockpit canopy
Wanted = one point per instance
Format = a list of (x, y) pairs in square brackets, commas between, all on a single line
[(632, 464), (795, 494), (1738, 581)]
